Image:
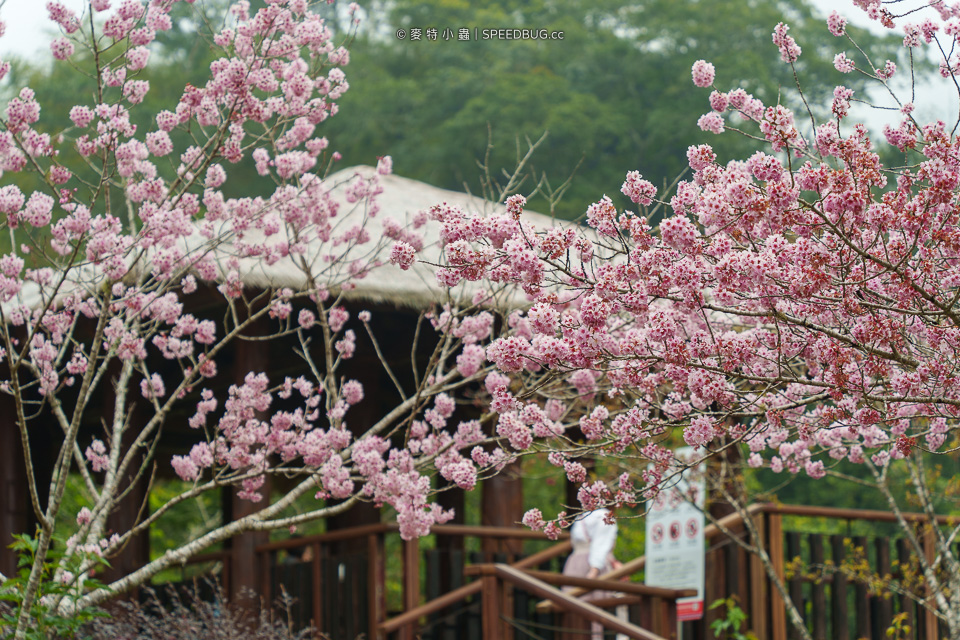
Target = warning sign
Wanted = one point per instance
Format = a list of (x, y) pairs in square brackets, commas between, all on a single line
[(676, 560)]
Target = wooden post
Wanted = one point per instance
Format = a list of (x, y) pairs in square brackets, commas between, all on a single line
[(658, 612), (16, 512), (908, 604), (126, 514), (885, 609), (248, 356), (411, 583), (778, 615), (502, 506), (862, 597), (316, 575), (490, 607), (758, 583), (796, 582), (819, 612), (671, 625), (838, 592), (376, 576), (714, 581), (930, 554)]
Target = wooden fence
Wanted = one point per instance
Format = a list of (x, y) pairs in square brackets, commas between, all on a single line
[(442, 595)]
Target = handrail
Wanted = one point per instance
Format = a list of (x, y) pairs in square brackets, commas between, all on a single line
[(569, 603), (853, 514), (596, 584), (210, 556), (331, 536), (516, 533), (388, 626)]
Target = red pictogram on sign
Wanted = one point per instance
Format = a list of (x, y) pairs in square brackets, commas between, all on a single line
[(675, 530), (656, 534)]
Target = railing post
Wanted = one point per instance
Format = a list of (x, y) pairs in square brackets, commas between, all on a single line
[(411, 583), (758, 584), (376, 576), (672, 628), (658, 615), (490, 607), (778, 616), (862, 595), (818, 611), (316, 577), (930, 554), (507, 609), (838, 591)]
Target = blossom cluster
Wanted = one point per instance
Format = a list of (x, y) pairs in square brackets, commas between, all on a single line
[(801, 301)]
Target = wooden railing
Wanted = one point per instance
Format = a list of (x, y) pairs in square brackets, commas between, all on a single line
[(343, 593), (497, 610), (409, 620)]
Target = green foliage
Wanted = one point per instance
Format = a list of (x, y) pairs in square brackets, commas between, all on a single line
[(851, 486), (728, 628), (900, 628), (615, 94), (47, 621), (182, 522)]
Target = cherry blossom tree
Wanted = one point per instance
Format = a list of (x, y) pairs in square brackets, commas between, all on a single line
[(106, 258), (801, 302)]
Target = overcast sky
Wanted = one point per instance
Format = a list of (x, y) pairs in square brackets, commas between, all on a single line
[(29, 32)]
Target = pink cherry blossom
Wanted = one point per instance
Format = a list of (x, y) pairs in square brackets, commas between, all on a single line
[(703, 73)]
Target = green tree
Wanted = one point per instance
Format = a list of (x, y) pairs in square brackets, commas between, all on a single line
[(614, 94)]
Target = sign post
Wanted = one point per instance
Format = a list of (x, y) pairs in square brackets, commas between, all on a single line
[(675, 544)]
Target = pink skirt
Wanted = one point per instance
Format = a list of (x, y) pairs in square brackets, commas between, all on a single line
[(578, 565)]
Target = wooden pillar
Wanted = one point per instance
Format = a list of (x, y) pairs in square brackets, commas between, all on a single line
[(359, 418), (490, 607), (730, 460), (124, 517), (502, 506), (16, 512), (572, 489), (248, 356)]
